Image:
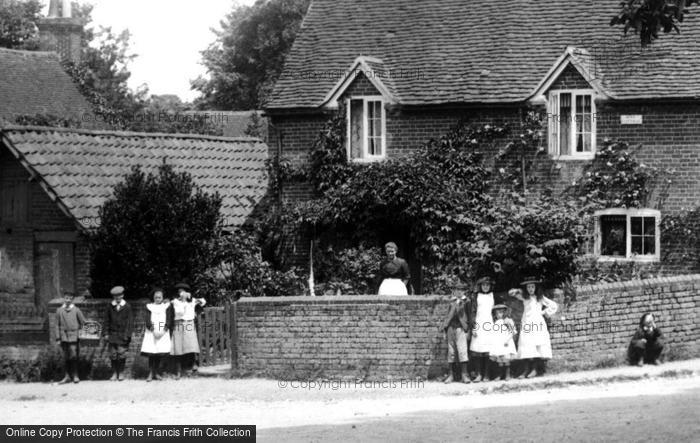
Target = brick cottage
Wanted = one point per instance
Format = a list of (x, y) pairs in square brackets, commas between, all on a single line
[(405, 72)]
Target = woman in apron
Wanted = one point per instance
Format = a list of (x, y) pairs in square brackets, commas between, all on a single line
[(394, 273)]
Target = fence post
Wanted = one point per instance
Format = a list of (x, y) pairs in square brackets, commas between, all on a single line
[(233, 321)]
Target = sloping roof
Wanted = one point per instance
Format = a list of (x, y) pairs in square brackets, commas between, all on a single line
[(79, 168), (461, 51), (35, 83)]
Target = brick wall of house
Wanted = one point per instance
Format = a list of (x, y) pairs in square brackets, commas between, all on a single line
[(378, 337), (669, 136)]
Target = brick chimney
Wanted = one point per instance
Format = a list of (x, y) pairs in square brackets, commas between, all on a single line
[(60, 32)]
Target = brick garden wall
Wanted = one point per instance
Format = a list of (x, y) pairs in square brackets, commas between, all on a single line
[(93, 350), (377, 337)]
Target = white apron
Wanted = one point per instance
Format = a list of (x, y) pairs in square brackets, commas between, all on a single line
[(392, 286), (483, 332), (534, 341), (151, 344)]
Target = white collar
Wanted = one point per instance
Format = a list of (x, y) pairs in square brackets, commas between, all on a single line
[(68, 307), (121, 303)]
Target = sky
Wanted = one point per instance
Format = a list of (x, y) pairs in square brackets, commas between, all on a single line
[(167, 36)]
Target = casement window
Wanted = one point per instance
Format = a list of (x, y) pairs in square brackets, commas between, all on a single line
[(628, 234), (572, 123), (366, 121)]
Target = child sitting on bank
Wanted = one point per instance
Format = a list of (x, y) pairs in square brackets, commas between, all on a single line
[(503, 350), (69, 322), (457, 326), (647, 342)]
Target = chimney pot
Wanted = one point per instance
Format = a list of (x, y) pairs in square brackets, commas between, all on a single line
[(54, 8)]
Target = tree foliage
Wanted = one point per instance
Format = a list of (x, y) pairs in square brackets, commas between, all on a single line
[(157, 229), (650, 17), (18, 24), (248, 55)]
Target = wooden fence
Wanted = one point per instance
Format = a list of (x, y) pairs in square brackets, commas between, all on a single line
[(218, 337)]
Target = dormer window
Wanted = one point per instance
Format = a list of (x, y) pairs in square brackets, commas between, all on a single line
[(572, 123), (366, 121)]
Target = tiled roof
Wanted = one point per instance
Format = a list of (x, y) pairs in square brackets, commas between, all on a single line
[(35, 83), (81, 167), (460, 51)]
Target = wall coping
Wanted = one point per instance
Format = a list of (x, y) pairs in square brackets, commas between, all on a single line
[(639, 284), (384, 299)]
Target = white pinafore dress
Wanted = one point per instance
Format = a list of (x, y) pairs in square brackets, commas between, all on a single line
[(483, 331), (534, 341), (151, 344)]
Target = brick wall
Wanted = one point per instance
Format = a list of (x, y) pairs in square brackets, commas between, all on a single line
[(378, 337), (669, 139), (95, 310)]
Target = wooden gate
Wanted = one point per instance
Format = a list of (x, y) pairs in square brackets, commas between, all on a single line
[(218, 336)]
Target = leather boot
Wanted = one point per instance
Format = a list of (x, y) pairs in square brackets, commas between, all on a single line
[(115, 370), (506, 373), (485, 368), (465, 372), (122, 365), (76, 379), (67, 377), (531, 369), (451, 376), (479, 374), (150, 369)]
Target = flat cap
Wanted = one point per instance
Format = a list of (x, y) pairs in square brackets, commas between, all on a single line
[(117, 290)]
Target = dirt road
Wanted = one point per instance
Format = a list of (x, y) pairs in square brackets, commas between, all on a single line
[(664, 408)]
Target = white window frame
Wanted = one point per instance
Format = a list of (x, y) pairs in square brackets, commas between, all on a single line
[(365, 125), (553, 118), (629, 213)]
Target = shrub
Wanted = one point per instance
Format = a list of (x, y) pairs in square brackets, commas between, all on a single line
[(348, 271), (241, 271), (156, 230)]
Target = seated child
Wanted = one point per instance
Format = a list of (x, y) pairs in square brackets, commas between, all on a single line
[(647, 342), (503, 350), (456, 327)]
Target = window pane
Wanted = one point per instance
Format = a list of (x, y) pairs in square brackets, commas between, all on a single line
[(356, 128), (613, 235), (650, 245), (650, 226), (637, 245), (636, 223), (564, 124)]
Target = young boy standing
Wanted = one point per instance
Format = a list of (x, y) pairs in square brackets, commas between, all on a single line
[(118, 327), (457, 327), (69, 322)]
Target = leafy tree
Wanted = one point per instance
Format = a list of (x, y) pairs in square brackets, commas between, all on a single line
[(649, 17), (17, 24), (248, 55), (157, 229)]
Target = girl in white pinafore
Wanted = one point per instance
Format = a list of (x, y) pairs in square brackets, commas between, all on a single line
[(483, 329), (534, 344), (156, 338)]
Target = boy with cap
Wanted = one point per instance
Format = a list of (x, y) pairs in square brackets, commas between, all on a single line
[(457, 327), (69, 322), (118, 327)]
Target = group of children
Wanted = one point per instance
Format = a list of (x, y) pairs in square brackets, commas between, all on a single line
[(490, 336), (170, 330), (482, 328)]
